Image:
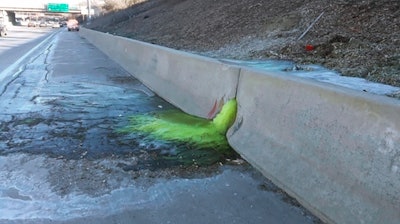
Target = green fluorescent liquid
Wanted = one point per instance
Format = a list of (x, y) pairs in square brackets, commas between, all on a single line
[(200, 135)]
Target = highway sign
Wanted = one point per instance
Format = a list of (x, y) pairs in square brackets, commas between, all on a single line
[(57, 7)]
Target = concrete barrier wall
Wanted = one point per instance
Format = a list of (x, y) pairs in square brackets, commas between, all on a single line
[(335, 150), (195, 84)]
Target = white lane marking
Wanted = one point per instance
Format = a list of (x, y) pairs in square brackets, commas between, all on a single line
[(17, 64)]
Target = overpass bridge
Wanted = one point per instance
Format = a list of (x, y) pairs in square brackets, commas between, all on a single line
[(42, 9), (11, 10), (43, 6)]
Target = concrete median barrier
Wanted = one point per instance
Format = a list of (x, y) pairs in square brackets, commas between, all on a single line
[(335, 150), (197, 85)]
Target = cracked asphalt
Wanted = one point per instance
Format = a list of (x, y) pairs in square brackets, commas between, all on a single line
[(62, 159)]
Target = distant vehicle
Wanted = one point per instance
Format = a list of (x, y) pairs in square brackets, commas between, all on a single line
[(72, 25), (3, 30), (23, 23), (32, 24), (55, 25), (43, 24)]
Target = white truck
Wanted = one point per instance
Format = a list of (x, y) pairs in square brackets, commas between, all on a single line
[(3, 29), (3, 23)]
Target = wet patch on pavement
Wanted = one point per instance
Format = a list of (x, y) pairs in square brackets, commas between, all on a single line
[(74, 116)]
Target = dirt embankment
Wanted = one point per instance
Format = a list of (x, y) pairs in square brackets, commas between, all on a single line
[(355, 38)]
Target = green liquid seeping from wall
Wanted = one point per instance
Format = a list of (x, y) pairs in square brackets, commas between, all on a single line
[(201, 141)]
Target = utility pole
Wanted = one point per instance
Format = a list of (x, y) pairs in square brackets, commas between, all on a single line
[(88, 8)]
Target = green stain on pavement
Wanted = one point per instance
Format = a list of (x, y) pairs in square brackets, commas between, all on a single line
[(204, 139)]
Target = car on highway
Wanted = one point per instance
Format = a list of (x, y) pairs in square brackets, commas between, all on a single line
[(63, 23), (42, 24), (55, 25), (72, 25), (32, 24)]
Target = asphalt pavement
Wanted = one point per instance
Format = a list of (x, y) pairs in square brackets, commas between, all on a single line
[(64, 160)]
